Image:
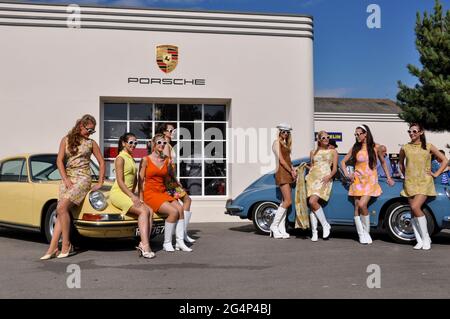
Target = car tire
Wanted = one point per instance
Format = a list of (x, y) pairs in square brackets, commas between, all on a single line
[(397, 222), (49, 224), (262, 216)]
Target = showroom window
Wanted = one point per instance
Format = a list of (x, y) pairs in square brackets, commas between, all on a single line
[(200, 142)]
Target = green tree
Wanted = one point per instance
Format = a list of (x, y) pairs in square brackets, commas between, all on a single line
[(429, 101)]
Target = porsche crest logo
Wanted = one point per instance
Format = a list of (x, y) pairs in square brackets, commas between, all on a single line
[(167, 57)]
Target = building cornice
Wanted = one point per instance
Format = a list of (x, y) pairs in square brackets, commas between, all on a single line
[(342, 117), (142, 19)]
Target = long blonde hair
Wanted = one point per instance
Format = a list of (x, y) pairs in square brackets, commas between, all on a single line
[(74, 137), (288, 143), (319, 136)]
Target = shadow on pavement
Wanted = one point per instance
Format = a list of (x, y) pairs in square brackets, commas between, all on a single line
[(343, 232), (22, 235)]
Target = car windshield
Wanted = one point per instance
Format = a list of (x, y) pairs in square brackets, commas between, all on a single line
[(44, 168)]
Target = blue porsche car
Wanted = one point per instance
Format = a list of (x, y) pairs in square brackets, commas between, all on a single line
[(389, 212)]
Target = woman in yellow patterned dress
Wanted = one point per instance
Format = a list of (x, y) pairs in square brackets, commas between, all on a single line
[(319, 181), (76, 148), (364, 180), (419, 183), (123, 195)]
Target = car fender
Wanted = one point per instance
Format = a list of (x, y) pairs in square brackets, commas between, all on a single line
[(250, 197)]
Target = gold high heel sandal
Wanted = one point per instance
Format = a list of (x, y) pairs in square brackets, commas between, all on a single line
[(71, 252), (145, 254), (50, 256)]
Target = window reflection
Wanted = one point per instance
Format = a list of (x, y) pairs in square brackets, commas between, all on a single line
[(215, 113), (141, 112), (113, 130), (190, 112), (192, 185), (115, 111), (166, 112), (215, 186)]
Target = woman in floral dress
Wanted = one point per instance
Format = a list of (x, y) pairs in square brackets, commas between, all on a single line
[(319, 181), (419, 179), (364, 180), (75, 151)]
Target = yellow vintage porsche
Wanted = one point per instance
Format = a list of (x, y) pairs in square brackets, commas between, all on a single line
[(29, 185)]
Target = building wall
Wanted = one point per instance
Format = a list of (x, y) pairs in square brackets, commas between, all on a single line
[(52, 75), (388, 130)]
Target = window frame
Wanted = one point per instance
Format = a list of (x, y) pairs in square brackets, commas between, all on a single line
[(24, 164), (155, 124)]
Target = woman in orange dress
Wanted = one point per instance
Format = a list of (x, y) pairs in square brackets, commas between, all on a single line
[(152, 190), (364, 180)]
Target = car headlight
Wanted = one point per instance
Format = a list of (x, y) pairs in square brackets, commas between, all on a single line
[(97, 200)]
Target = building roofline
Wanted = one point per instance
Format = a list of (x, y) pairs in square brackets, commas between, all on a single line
[(348, 105), (162, 9), (352, 98)]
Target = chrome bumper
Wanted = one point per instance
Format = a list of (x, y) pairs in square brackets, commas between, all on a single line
[(233, 210)]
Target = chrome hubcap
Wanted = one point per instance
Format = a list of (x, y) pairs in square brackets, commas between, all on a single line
[(265, 216), (401, 223), (52, 221)]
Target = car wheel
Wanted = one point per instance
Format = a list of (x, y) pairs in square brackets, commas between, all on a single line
[(398, 223), (262, 216), (49, 222)]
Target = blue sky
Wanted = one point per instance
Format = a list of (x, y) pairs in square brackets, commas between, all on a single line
[(350, 60)]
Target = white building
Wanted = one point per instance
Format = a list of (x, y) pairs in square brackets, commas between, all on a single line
[(224, 79), (341, 116), (217, 72)]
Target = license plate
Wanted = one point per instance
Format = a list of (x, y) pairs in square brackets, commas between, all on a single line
[(156, 230)]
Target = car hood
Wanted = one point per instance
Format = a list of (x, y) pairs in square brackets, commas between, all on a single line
[(105, 188)]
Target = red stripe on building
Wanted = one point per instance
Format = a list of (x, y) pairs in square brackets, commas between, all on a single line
[(112, 152)]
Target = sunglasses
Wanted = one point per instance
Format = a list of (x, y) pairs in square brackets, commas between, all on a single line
[(89, 130), (358, 134), (171, 130), (324, 138), (285, 132), (161, 142), (132, 143), (413, 131)]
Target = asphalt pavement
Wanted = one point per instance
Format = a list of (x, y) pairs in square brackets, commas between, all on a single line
[(229, 261)]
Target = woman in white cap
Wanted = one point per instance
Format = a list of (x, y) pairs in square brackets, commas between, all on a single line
[(285, 175), (364, 180), (319, 181)]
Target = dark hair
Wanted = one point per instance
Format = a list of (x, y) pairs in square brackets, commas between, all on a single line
[(433, 157), (423, 139), (370, 147), (163, 127), (333, 143), (124, 139)]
